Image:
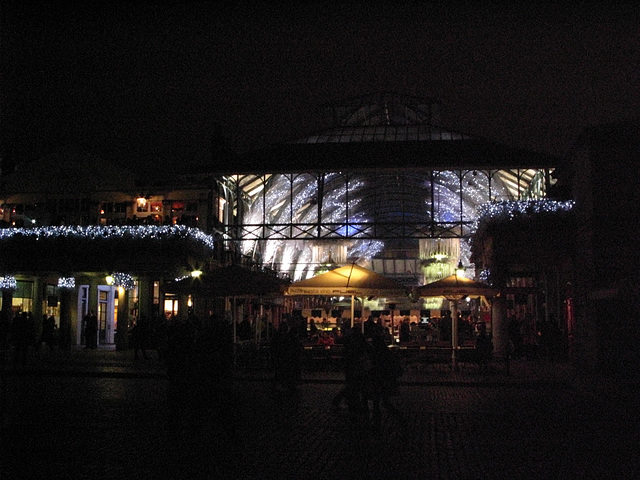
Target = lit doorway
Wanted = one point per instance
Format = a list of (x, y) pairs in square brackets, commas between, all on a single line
[(170, 306), (106, 314)]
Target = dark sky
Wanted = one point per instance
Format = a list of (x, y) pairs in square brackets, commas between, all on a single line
[(139, 82)]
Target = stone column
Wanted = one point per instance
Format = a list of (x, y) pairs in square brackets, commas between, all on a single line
[(93, 292), (183, 307), (66, 305), (500, 327), (122, 330), (38, 298), (6, 317), (145, 297), (454, 335)]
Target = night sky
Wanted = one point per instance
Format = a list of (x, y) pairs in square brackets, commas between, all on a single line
[(139, 83)]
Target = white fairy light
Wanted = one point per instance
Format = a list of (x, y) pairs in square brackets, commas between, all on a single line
[(8, 282), (518, 209), (66, 282), (289, 203), (484, 275), (113, 231), (123, 280)]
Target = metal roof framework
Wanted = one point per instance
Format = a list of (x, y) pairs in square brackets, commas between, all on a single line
[(508, 184), (381, 171)]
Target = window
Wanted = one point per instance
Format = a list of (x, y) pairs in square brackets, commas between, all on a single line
[(23, 297), (142, 205), (221, 207)]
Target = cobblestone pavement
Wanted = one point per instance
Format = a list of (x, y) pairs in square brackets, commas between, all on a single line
[(110, 421)]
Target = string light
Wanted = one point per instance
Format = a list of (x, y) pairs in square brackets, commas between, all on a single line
[(8, 283), (113, 231), (484, 275), (509, 210), (290, 200), (66, 282), (123, 280)]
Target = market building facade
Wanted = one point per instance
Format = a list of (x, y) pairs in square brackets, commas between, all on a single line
[(82, 237), (383, 185)]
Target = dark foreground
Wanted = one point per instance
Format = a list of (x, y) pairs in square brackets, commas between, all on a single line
[(114, 426)]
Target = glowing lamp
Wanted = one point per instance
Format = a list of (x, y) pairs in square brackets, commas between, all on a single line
[(460, 269)]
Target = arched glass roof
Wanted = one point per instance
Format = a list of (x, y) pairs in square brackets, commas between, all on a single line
[(384, 133), (380, 174), (382, 108)]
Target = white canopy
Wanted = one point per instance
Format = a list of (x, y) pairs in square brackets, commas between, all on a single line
[(348, 280)]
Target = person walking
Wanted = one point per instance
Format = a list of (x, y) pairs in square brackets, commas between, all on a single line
[(484, 348), (286, 358), (139, 334), (357, 364), (23, 336), (90, 330), (48, 335), (382, 381)]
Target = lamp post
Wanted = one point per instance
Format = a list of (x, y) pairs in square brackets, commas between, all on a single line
[(454, 321)]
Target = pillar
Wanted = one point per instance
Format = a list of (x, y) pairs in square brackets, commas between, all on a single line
[(145, 297), (66, 306), (6, 317), (93, 292), (122, 331), (38, 299), (500, 327), (183, 306), (454, 335)]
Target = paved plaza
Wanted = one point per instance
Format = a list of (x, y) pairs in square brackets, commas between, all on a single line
[(103, 415)]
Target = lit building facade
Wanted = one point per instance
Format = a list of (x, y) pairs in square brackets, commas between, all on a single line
[(113, 241), (383, 185)]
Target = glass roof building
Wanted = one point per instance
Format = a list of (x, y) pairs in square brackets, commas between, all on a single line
[(383, 184)]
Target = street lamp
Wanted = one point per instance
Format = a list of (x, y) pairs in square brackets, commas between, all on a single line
[(460, 269)]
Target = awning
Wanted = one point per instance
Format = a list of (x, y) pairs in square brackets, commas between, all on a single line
[(348, 280), (229, 281)]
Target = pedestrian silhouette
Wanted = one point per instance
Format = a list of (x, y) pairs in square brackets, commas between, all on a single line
[(484, 349), (286, 358), (356, 364), (382, 380), (23, 335), (48, 335), (139, 337)]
